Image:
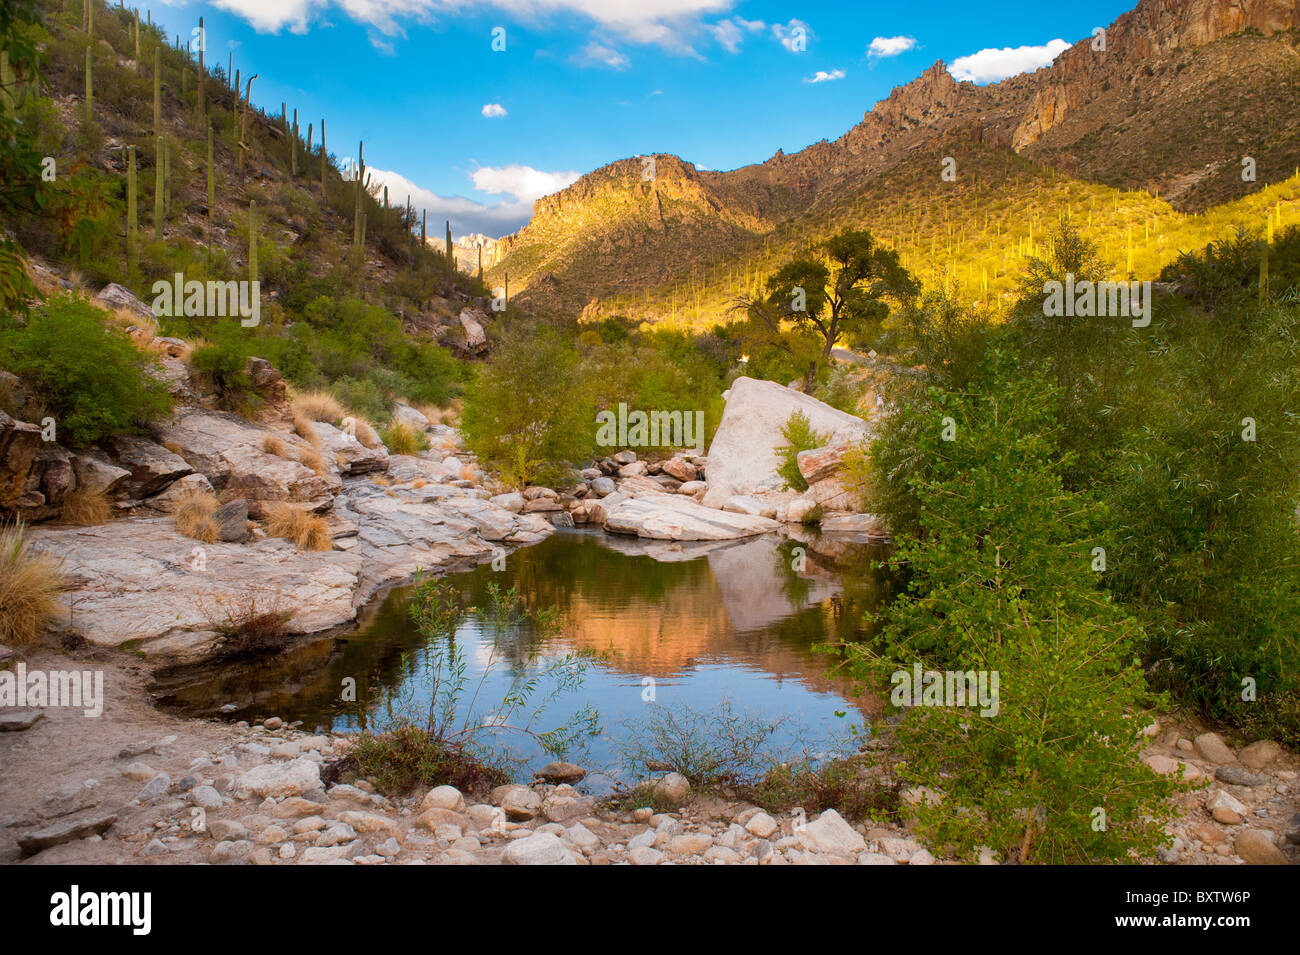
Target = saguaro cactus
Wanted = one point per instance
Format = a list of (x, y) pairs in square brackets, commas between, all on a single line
[(212, 178), (90, 84), (132, 220), (293, 147), (203, 42), (357, 234), (451, 256), (252, 240), (158, 190), (157, 91)]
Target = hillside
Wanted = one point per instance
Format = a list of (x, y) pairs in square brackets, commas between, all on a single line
[(1188, 88)]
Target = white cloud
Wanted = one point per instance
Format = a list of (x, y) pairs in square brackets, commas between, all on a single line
[(730, 33), (794, 36), (494, 111), (667, 23), (821, 76), (524, 183), (470, 216), (991, 65), (597, 54), (890, 45)]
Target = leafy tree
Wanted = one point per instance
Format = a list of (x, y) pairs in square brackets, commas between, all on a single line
[(1002, 583), (92, 379)]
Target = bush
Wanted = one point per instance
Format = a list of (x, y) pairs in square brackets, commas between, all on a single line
[(249, 624), (1001, 584), (30, 584), (799, 436), (94, 382), (530, 411), (223, 364), (409, 755)]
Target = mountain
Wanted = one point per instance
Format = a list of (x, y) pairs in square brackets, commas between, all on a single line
[(1145, 136)]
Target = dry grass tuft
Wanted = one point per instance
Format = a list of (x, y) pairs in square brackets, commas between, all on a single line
[(193, 515), (381, 479), (30, 584), (367, 435), (87, 507), (173, 447), (401, 438), (302, 427), (312, 459), (273, 444), (305, 529), (318, 406)]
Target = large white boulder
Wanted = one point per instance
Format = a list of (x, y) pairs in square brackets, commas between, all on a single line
[(742, 457)]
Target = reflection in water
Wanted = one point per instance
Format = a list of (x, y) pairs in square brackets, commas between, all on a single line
[(706, 623)]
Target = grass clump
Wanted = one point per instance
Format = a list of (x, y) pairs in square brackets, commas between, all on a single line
[(307, 531), (30, 584), (402, 438), (86, 507), (799, 436), (251, 624), (410, 755), (193, 513), (273, 444), (318, 406)]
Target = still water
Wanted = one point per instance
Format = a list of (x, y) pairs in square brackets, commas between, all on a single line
[(679, 627)]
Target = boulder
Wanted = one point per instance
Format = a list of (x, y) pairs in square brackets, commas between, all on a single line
[(80, 826), (152, 466), (349, 455), (675, 517), (830, 833), (232, 521), (292, 778), (1211, 748), (19, 443), (227, 450), (471, 321), (96, 474), (405, 414), (821, 463), (1258, 848), (119, 298), (561, 773), (541, 848), (681, 469), (742, 457)]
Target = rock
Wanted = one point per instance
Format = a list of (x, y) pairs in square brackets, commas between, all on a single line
[(227, 830), (273, 722), (1237, 776), (228, 451), (17, 720), (644, 855), (868, 526), (405, 414), (603, 486), (921, 857), (1167, 766), (1258, 848), (820, 463), (232, 521), (512, 502), (635, 469), (541, 848), (1225, 807), (141, 580), (367, 822), (674, 517), (1259, 755), (689, 844), (205, 797), (443, 797), (471, 321), (742, 457), (348, 454), (1211, 748), (681, 469), (747, 504), (295, 806), (561, 773), (761, 825), (20, 442), (280, 779), (830, 833), (94, 474), (165, 500), (118, 298), (521, 803), (152, 466), (671, 788), (624, 457), (154, 788), (67, 799), (78, 826), (898, 850)]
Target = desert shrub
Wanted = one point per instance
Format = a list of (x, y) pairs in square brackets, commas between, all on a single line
[(222, 363), (530, 411), (409, 755), (250, 624), (402, 438), (1002, 583), (193, 514), (311, 458), (30, 584), (306, 530), (95, 383), (86, 506), (845, 785), (799, 436)]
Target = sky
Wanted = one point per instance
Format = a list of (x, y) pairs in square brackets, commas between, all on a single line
[(474, 108)]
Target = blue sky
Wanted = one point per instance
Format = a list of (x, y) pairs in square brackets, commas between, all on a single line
[(475, 134)]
